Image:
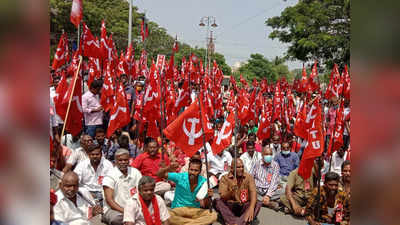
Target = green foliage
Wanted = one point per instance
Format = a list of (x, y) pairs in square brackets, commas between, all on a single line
[(259, 67), (315, 29), (116, 15)]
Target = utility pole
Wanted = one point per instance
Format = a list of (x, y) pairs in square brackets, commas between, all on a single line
[(130, 23), (208, 21)]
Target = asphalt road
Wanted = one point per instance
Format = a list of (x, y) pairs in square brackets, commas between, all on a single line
[(265, 217)]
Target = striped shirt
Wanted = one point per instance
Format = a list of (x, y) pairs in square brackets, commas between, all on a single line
[(266, 177)]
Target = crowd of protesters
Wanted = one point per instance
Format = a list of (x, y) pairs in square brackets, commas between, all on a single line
[(129, 178)]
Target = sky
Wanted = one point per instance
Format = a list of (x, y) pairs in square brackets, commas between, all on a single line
[(241, 27)]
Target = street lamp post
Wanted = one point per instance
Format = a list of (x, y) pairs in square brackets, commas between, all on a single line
[(208, 21), (130, 23)]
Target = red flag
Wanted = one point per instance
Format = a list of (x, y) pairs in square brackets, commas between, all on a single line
[(119, 115), (106, 49), (334, 83), (61, 93), (243, 81), (152, 129), (62, 53), (264, 129), (76, 12), (244, 105), (175, 49), (233, 82), (152, 93), (107, 92), (346, 85), (255, 83), (300, 129), (304, 81), (337, 137), (75, 114), (313, 80), (170, 72), (91, 46), (94, 70), (278, 98), (186, 130), (122, 65), (315, 143), (144, 31), (224, 136), (183, 98)]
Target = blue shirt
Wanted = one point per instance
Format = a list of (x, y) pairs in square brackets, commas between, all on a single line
[(287, 163), (183, 195)]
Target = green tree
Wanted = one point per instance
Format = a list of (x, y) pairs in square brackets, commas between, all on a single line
[(315, 29), (259, 67)]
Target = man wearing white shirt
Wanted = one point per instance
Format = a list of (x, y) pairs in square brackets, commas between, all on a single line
[(338, 158), (73, 206), (80, 154), (218, 164), (92, 171), (250, 157), (146, 206), (275, 145), (72, 142), (119, 185)]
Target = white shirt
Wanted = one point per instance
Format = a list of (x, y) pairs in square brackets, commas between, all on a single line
[(133, 210), (70, 144), (217, 163), (124, 187), (77, 156), (275, 150), (91, 179), (336, 165), (346, 112), (249, 161), (66, 211)]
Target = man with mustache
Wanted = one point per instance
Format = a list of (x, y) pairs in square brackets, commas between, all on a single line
[(238, 203), (146, 207), (119, 185), (344, 184), (188, 207), (72, 206), (334, 205)]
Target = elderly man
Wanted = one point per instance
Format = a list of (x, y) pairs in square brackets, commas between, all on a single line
[(238, 203), (338, 158), (73, 206), (266, 176), (250, 157), (186, 208), (148, 164), (146, 207), (92, 171), (80, 154), (219, 163), (298, 190), (333, 205), (119, 185), (275, 145)]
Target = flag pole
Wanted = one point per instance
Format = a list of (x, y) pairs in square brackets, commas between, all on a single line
[(235, 146), (204, 145), (162, 108), (70, 98)]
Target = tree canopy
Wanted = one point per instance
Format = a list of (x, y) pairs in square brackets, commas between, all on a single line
[(116, 15), (260, 67), (315, 30)]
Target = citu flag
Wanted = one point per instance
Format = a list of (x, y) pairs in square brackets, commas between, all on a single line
[(119, 114), (91, 46), (76, 12), (107, 92), (336, 140), (188, 129), (61, 92), (224, 135), (264, 129), (315, 141), (75, 114), (62, 53)]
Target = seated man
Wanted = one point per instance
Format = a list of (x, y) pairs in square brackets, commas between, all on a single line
[(287, 161), (146, 207), (275, 145), (344, 184), (80, 154), (333, 205), (148, 164), (123, 142), (338, 158), (252, 137), (238, 203), (92, 171), (298, 190), (266, 176), (219, 164), (250, 157), (185, 208), (119, 185), (73, 206), (100, 139)]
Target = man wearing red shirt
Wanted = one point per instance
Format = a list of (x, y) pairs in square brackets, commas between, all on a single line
[(150, 162)]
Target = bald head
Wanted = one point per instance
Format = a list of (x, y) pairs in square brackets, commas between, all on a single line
[(239, 167), (69, 185)]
